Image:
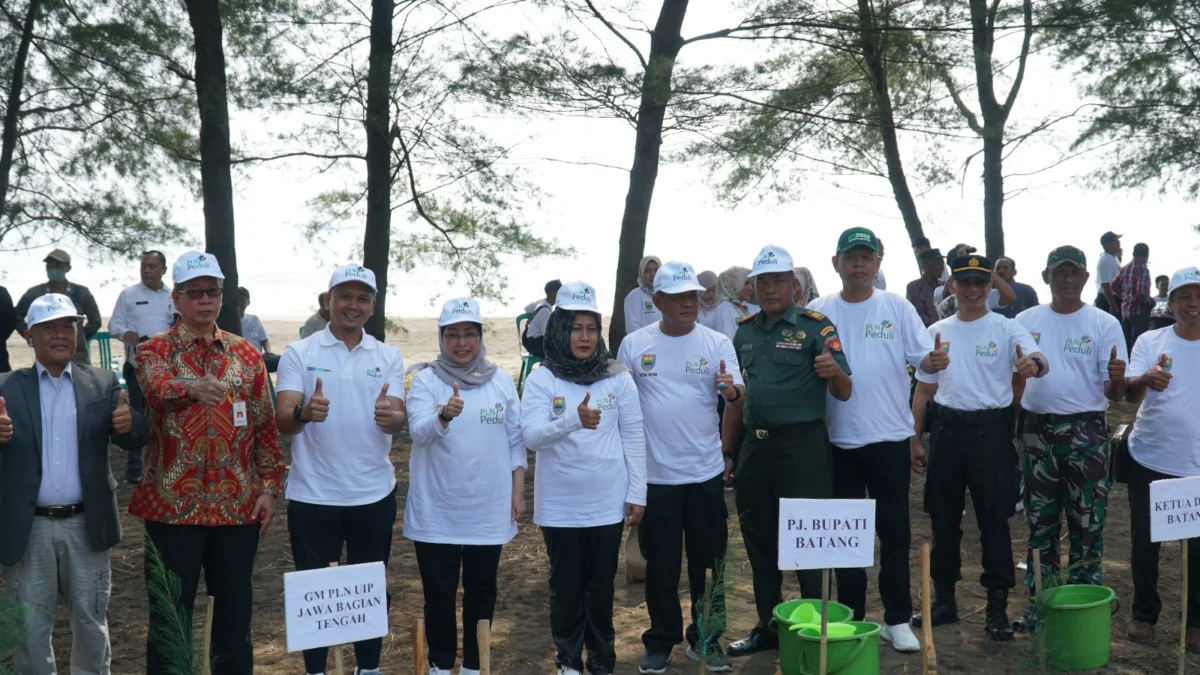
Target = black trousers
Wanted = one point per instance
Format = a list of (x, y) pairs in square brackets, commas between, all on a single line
[(318, 532), (883, 472), (583, 564), (1133, 326), (1147, 605), (440, 565), (1102, 303), (226, 554), (694, 513), (133, 465), (976, 454)]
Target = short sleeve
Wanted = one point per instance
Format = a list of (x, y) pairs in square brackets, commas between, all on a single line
[(1019, 335), (729, 356), (290, 373), (917, 340), (922, 376), (1143, 357), (826, 336), (395, 376), (624, 353)]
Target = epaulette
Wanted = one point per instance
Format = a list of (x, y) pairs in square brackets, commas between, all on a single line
[(744, 319), (814, 315)]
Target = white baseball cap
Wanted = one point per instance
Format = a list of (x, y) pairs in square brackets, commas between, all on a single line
[(50, 307), (1188, 276), (194, 265), (676, 277), (771, 259), (576, 296), (353, 272), (459, 310)]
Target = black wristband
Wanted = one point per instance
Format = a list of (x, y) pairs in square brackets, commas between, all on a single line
[(1040, 366), (737, 390), (442, 417)]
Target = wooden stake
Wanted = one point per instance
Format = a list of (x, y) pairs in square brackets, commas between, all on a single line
[(824, 616), (484, 632), (206, 655), (929, 653), (1037, 594), (1183, 622), (338, 666), (418, 640)]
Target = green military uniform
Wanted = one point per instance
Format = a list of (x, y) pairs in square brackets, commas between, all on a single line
[(786, 453)]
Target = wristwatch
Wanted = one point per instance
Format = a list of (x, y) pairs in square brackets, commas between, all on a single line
[(1041, 366), (296, 414), (442, 417)]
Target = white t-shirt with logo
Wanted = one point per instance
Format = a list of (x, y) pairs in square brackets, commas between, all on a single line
[(676, 379), (982, 353), (1166, 436), (584, 477), (882, 336), (1080, 345), (342, 461), (460, 476), (639, 310)]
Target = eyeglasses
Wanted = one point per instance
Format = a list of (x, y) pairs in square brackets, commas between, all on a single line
[(464, 337), (201, 292)]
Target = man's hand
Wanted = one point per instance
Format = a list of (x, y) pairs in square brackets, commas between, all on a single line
[(824, 364), (454, 406), (130, 338), (264, 510), (122, 416), (916, 454), (939, 358), (729, 475), (1116, 367), (208, 390), (317, 407), (725, 384), (589, 416), (633, 514), (6, 425), (518, 506), (1159, 377), (1025, 366), (383, 409)]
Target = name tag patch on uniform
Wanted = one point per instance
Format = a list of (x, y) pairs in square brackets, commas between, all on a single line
[(560, 405), (794, 346), (827, 330)]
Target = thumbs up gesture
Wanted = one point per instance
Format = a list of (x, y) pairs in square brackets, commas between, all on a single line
[(454, 406), (824, 364), (725, 384), (122, 417), (1116, 367), (1157, 378), (589, 416), (384, 413), (6, 426), (208, 390), (1025, 365), (317, 407), (939, 358)]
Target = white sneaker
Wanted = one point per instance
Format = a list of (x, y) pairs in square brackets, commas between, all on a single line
[(434, 670), (563, 670), (901, 637), (467, 671)]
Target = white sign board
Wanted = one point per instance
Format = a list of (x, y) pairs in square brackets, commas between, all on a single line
[(1175, 509), (826, 533), (335, 605)]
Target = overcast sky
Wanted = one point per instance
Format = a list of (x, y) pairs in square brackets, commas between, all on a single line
[(582, 206)]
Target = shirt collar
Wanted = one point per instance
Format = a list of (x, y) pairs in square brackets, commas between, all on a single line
[(65, 373), (326, 338), (188, 336), (143, 285), (790, 315)]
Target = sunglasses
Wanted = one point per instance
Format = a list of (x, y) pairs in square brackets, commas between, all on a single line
[(201, 292)]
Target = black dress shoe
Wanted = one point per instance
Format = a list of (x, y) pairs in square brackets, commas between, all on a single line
[(943, 609), (996, 618), (759, 640)]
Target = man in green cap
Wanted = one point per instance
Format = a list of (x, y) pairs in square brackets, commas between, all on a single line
[(1062, 429), (790, 358)]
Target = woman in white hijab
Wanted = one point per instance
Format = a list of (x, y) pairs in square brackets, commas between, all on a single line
[(732, 296), (806, 292), (639, 304), (466, 481), (708, 299)]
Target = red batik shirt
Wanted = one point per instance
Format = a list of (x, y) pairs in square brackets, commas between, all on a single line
[(200, 468)]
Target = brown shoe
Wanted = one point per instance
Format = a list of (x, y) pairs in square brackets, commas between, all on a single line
[(1192, 640), (1142, 632)]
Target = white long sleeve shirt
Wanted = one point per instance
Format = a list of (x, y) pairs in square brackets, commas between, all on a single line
[(639, 310), (142, 310), (460, 476), (584, 477)]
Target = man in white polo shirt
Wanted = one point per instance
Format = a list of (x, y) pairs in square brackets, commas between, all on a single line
[(680, 368), (970, 441), (881, 334), (1062, 429), (338, 395)]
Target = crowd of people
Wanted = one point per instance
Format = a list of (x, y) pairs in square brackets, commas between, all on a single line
[(740, 380)]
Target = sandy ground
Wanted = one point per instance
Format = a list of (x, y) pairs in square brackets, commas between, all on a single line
[(521, 642)]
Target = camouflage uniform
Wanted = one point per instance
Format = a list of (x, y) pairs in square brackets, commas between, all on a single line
[(1065, 464)]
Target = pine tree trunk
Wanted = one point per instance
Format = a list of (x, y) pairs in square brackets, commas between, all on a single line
[(378, 235), (665, 43), (215, 179), (8, 138), (993, 192)]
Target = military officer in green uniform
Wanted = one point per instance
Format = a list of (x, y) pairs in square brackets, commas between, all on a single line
[(790, 358)]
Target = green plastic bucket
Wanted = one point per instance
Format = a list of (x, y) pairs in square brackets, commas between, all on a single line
[(789, 640), (1078, 626), (856, 654)]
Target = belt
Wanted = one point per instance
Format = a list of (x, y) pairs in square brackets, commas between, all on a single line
[(1052, 418), (954, 416), (58, 512), (780, 432)]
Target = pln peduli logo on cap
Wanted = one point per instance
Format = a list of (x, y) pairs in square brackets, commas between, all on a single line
[(353, 272), (195, 265), (458, 310), (50, 307), (1188, 276), (676, 277), (576, 296), (771, 259)]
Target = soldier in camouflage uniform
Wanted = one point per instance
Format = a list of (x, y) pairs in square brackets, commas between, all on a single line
[(1063, 431)]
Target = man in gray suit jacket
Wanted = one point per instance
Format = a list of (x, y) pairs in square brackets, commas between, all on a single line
[(58, 511)]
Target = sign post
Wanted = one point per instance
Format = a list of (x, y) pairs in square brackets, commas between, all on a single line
[(823, 534), (1175, 514), (335, 605), (418, 640)]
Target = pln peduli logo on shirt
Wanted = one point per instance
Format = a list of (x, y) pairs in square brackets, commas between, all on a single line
[(648, 362), (990, 350), (318, 369), (700, 367), (559, 405), (493, 415), (375, 373), (1082, 346), (884, 330), (609, 403)]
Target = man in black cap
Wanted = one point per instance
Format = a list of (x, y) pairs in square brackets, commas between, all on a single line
[(58, 263), (1106, 271), (970, 440), (1133, 290)]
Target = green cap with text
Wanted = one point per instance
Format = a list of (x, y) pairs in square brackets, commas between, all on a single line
[(857, 236), (1064, 255)]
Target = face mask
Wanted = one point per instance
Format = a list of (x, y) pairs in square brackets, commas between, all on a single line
[(56, 275)]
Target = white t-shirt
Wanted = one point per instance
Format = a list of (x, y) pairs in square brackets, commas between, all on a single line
[(724, 319), (639, 310), (253, 331), (1107, 269), (342, 461), (1166, 436), (880, 281), (993, 299), (584, 477), (676, 379), (881, 335), (982, 353), (460, 477), (1080, 345)]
